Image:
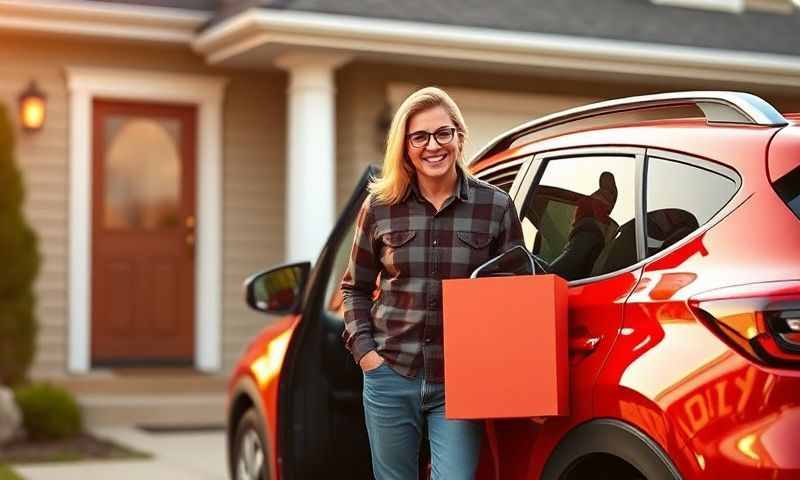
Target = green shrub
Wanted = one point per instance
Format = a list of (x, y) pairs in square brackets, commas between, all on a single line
[(19, 259), (48, 412)]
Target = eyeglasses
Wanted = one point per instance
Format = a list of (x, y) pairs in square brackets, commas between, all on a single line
[(443, 136)]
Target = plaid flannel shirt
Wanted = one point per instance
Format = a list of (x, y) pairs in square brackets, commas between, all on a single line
[(411, 247)]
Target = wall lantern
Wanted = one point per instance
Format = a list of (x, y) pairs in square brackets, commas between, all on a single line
[(32, 103)]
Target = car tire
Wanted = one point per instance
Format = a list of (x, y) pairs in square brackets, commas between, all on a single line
[(251, 461), (617, 440)]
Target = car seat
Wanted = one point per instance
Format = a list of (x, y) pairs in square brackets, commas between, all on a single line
[(619, 252), (668, 226), (610, 232)]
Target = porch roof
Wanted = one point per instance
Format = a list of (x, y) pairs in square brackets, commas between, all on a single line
[(631, 20), (636, 39)]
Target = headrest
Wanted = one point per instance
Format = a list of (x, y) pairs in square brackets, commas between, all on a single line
[(607, 193)]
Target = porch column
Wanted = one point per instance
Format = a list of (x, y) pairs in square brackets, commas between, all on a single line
[(311, 155)]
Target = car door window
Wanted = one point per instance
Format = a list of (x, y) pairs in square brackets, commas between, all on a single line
[(334, 302), (680, 198), (580, 217)]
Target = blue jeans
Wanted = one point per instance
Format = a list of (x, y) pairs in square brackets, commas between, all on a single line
[(397, 409)]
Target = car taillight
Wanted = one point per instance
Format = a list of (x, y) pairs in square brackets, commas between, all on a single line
[(762, 320), (786, 327)]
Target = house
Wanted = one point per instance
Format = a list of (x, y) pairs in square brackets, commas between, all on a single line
[(189, 143)]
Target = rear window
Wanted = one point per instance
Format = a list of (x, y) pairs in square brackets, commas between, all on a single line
[(788, 188), (680, 198)]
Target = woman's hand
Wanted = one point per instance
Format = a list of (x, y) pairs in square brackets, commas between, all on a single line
[(370, 361)]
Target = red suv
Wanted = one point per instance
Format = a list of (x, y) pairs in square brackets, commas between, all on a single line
[(684, 310)]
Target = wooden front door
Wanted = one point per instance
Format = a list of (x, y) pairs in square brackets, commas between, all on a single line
[(143, 234)]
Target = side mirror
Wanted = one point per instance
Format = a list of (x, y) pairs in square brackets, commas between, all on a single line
[(278, 290), (514, 261)]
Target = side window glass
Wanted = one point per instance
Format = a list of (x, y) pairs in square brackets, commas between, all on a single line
[(334, 302), (580, 218), (680, 198)]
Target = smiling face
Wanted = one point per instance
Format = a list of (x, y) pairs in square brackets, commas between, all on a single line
[(434, 161)]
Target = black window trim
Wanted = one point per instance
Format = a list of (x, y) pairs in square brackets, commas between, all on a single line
[(533, 175), (640, 195)]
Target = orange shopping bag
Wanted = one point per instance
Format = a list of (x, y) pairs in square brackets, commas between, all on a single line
[(505, 347)]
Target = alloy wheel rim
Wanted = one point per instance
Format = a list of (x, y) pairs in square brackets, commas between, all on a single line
[(250, 464)]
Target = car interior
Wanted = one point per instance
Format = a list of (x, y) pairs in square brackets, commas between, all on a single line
[(551, 210), (666, 227)]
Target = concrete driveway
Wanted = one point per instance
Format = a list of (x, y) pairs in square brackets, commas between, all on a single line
[(176, 456)]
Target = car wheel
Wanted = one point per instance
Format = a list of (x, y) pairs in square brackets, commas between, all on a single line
[(249, 449), (608, 449)]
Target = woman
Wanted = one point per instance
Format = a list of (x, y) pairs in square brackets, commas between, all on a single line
[(426, 219)]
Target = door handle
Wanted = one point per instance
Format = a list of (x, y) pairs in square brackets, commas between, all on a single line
[(584, 344), (190, 238)]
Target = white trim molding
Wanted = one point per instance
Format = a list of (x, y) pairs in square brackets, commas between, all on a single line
[(733, 6), (95, 19), (207, 93), (491, 48)]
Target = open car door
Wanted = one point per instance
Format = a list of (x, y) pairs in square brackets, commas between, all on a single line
[(321, 430)]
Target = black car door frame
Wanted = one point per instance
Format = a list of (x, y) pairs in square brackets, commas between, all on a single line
[(312, 315)]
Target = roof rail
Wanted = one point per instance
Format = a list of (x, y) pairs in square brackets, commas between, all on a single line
[(717, 106)]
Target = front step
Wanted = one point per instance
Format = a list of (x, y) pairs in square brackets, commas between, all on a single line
[(195, 409), (148, 398)]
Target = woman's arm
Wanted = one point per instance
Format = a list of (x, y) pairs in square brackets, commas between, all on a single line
[(358, 284)]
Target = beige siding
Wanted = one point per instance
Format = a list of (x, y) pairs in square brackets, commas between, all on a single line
[(254, 198), (42, 158), (360, 100), (253, 156)]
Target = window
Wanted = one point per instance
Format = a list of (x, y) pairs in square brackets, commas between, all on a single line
[(580, 218), (680, 198), (334, 302)]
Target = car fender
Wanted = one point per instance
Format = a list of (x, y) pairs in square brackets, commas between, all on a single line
[(243, 394), (614, 437)]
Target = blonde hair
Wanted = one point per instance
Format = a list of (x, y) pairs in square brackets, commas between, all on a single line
[(396, 175)]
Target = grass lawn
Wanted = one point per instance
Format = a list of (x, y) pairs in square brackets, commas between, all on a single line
[(7, 474)]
